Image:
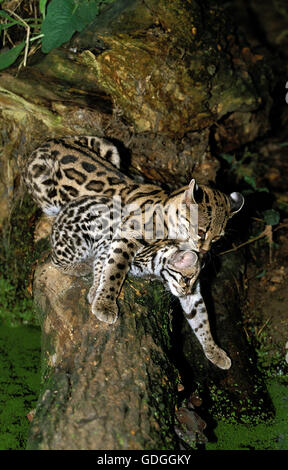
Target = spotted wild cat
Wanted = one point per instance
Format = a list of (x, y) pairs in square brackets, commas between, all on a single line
[(81, 242), (64, 169)]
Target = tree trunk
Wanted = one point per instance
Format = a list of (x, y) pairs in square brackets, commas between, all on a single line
[(105, 387)]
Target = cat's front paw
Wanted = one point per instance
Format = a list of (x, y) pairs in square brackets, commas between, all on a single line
[(218, 357), (105, 311)]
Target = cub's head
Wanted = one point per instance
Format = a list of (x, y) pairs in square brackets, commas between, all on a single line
[(180, 271), (214, 210)]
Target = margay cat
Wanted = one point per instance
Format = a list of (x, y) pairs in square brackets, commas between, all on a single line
[(66, 169), (79, 242)]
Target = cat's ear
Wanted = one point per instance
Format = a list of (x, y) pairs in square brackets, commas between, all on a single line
[(236, 202), (184, 261), (194, 194)]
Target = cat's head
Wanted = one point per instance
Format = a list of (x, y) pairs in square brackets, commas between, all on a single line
[(180, 271), (214, 210)]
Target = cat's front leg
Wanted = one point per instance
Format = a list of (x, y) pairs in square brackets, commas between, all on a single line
[(117, 264), (196, 314)]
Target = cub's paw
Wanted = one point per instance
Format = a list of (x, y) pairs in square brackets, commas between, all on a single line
[(218, 357), (105, 311)]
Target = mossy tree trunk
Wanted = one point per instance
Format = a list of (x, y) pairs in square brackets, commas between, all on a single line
[(105, 387)]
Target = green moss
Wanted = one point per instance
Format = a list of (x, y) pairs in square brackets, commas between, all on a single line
[(18, 253), (19, 383), (272, 435), (235, 406), (14, 310), (19, 332)]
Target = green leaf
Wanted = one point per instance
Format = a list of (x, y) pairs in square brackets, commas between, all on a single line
[(226, 156), (7, 25), (8, 58), (263, 190), (251, 181), (283, 206), (42, 7), (63, 19), (57, 26), (86, 11), (6, 15), (263, 273), (271, 217), (12, 20)]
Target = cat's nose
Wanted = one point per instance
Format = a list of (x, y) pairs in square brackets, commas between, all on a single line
[(203, 251)]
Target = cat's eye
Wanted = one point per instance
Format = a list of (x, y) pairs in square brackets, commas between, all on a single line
[(186, 280), (215, 239)]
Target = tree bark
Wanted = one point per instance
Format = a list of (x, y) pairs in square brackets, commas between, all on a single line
[(104, 387)]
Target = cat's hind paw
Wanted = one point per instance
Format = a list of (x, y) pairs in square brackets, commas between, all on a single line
[(218, 357), (105, 311)]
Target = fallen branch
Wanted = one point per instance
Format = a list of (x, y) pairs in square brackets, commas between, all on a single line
[(267, 232)]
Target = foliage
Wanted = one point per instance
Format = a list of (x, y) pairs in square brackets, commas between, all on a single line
[(13, 310), (271, 217), (18, 254), (247, 170), (19, 383), (7, 58), (55, 25), (64, 18), (265, 436), (244, 169), (20, 334)]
